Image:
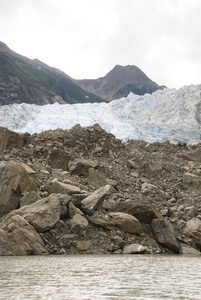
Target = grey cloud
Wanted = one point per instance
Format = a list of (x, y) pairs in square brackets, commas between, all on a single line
[(162, 37)]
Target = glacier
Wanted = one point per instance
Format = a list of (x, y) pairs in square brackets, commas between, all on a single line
[(169, 114)]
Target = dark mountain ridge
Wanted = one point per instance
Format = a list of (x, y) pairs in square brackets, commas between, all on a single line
[(33, 82)]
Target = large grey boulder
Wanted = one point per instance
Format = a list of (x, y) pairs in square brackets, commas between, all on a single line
[(94, 201), (81, 166), (194, 228), (18, 237), (164, 234), (142, 209), (64, 201), (95, 179), (67, 239), (9, 139), (5, 245), (190, 179), (83, 245), (28, 169), (188, 250), (148, 188), (131, 164), (73, 210), (29, 198), (43, 214), (14, 183), (63, 188), (104, 221), (78, 224), (153, 166), (126, 222)]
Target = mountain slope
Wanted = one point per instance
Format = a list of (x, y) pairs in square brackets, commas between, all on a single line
[(33, 82), (119, 82)]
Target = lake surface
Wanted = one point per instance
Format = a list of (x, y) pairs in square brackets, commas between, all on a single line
[(90, 277)]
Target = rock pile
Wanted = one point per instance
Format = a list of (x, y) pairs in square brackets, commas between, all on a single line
[(84, 191)]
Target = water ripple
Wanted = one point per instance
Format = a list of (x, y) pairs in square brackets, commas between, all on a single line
[(109, 277)]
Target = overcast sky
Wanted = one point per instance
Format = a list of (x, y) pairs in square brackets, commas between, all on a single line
[(87, 38)]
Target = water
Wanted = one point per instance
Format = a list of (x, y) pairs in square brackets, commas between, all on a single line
[(102, 277)]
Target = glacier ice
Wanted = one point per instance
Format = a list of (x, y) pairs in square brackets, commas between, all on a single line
[(168, 114)]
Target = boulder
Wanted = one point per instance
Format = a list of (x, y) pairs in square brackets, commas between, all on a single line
[(81, 166), (148, 187), (197, 154), (67, 239), (14, 183), (18, 237), (135, 174), (142, 209), (164, 234), (94, 201), (64, 201), (28, 169), (77, 199), (192, 155), (103, 221), (58, 158), (192, 180), (153, 166), (118, 242), (29, 198), (136, 249), (186, 249), (5, 245), (78, 224), (131, 164), (194, 228), (73, 210), (9, 139), (43, 214), (95, 179), (190, 211), (126, 222), (83, 245), (63, 188)]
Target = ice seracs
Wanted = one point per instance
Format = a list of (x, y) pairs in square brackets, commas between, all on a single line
[(169, 114)]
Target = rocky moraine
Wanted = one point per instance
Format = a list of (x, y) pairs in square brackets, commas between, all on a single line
[(84, 191)]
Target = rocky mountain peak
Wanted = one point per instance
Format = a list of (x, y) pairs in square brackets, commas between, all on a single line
[(119, 82)]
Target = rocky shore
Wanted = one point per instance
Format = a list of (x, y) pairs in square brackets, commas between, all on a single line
[(84, 191)]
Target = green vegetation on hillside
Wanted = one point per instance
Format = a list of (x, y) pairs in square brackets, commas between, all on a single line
[(76, 92), (36, 82), (33, 75)]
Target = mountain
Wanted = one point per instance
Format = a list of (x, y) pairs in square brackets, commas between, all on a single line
[(167, 114), (119, 82), (33, 82)]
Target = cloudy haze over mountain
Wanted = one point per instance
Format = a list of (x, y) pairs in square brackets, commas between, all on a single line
[(87, 38)]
